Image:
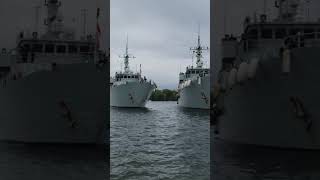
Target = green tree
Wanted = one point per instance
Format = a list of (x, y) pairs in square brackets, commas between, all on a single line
[(164, 95)]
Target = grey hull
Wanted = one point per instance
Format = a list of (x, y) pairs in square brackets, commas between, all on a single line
[(260, 112)]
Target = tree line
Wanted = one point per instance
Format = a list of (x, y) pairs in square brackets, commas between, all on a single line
[(164, 95)]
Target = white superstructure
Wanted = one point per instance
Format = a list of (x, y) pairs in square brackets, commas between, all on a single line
[(52, 87), (194, 84), (269, 87), (129, 89)]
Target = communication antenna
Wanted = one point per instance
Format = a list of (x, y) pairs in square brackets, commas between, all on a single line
[(308, 9), (198, 51), (265, 7), (126, 57), (225, 17), (84, 25), (37, 14)]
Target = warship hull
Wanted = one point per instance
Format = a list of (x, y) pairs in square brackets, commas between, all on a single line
[(196, 94), (67, 105), (130, 94), (276, 109)]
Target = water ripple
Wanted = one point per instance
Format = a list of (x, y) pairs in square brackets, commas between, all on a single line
[(159, 142)]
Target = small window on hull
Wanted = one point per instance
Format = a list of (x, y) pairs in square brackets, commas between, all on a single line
[(49, 48), (61, 49), (73, 49), (37, 48), (84, 49), (26, 47), (281, 33), (266, 33), (252, 34)]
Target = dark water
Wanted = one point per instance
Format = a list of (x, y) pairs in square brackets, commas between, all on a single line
[(159, 142), (40, 161), (244, 162)]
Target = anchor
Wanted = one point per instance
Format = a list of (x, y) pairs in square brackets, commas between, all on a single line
[(67, 114), (300, 111), (131, 98), (204, 97)]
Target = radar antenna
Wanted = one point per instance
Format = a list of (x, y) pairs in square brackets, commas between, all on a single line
[(198, 51), (126, 58)]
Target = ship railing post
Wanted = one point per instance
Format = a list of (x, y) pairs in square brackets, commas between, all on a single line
[(299, 39)]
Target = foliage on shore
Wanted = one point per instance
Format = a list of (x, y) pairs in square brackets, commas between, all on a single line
[(164, 95)]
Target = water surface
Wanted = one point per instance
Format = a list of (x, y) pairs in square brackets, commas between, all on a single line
[(161, 141), (51, 161), (232, 161)]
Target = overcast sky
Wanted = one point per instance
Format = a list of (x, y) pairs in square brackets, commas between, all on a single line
[(161, 33), (17, 15), (235, 11)]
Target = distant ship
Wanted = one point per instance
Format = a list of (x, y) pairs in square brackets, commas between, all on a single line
[(194, 84), (128, 88), (269, 89), (52, 87)]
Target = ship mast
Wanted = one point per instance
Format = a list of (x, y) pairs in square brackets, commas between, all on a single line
[(290, 10), (53, 20), (126, 58), (198, 51)]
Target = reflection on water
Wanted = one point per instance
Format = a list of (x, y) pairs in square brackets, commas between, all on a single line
[(237, 162), (161, 141), (44, 161)]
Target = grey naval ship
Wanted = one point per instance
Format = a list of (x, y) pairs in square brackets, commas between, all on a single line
[(130, 89), (194, 84), (53, 86), (267, 90)]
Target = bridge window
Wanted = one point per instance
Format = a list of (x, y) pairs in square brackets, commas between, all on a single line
[(252, 34), (281, 33), (61, 49), (49, 48), (37, 48), (73, 49), (84, 49), (266, 33)]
